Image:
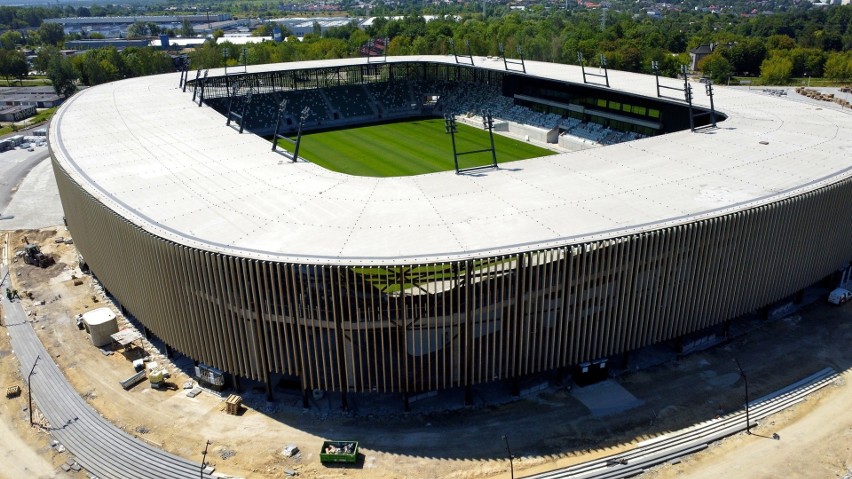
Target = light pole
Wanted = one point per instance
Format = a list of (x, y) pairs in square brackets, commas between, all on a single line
[(745, 380), (306, 112), (204, 458), (30, 389), (509, 451), (225, 54)]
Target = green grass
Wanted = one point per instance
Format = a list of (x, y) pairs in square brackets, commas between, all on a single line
[(407, 148)]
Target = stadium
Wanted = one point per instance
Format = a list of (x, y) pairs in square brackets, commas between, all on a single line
[(644, 223)]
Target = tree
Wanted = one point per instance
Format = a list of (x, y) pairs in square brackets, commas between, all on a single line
[(100, 65), (61, 74), (717, 67), (51, 34), (146, 61), (838, 66), (10, 40), (776, 70), (780, 42), (137, 30), (186, 29), (746, 55), (13, 64)]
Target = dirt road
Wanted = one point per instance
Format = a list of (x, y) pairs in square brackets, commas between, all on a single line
[(815, 441)]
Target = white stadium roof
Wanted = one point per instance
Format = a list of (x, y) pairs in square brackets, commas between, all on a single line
[(149, 153)]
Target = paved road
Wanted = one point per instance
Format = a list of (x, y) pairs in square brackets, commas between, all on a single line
[(15, 165), (35, 203), (100, 447)]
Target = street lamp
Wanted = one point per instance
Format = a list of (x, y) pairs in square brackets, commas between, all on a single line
[(509, 451), (225, 54), (30, 389), (745, 380), (203, 458)]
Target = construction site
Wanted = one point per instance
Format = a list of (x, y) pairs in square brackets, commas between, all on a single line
[(549, 428)]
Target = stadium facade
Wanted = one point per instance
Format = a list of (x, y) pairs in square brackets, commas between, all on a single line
[(264, 268)]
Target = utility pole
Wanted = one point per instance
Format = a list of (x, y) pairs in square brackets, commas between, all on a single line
[(745, 380), (30, 389), (204, 458), (509, 452)]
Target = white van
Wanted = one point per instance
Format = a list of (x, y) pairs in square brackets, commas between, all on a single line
[(839, 296)]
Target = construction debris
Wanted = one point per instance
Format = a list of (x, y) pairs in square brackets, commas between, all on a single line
[(233, 404), (290, 450), (817, 95), (13, 391)]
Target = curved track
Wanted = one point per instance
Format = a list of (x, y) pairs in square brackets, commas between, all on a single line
[(99, 446), (693, 439)]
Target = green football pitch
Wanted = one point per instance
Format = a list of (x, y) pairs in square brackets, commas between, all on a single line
[(407, 148)]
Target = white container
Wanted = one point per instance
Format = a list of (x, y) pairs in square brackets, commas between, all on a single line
[(100, 323)]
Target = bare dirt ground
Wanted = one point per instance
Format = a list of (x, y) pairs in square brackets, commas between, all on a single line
[(440, 438)]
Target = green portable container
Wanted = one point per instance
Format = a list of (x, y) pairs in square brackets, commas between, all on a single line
[(339, 451)]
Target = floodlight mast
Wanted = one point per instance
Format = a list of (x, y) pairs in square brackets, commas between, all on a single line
[(304, 116), (488, 123), (708, 87), (687, 93), (450, 127), (281, 108), (655, 67), (195, 84), (604, 75), (507, 62), (201, 91)]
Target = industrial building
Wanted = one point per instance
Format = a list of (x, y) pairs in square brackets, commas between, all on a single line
[(267, 269)]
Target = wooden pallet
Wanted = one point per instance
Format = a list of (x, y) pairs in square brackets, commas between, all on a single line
[(233, 404), (13, 391)]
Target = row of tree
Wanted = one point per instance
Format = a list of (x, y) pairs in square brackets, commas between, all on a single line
[(775, 47), (100, 65)]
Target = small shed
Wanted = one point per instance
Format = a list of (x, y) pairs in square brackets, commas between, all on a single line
[(101, 324)]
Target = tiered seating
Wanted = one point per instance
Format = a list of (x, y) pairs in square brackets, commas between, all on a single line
[(521, 114), (596, 133), (297, 100), (355, 103), (468, 98), (351, 101), (392, 96)]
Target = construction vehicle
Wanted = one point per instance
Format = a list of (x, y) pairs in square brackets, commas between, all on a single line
[(34, 256), (157, 376)]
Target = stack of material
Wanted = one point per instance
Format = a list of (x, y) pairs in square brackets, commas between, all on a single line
[(13, 391), (233, 404)]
